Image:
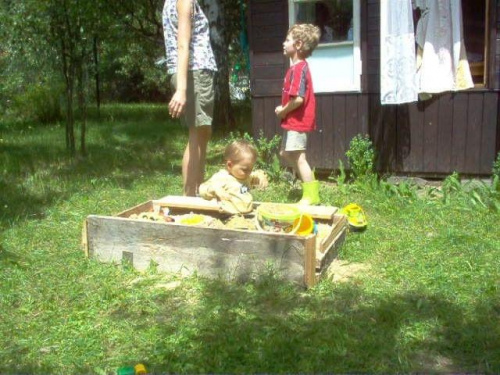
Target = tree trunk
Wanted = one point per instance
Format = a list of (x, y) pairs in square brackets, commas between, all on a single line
[(223, 116), (70, 121), (82, 102), (69, 76), (96, 76)]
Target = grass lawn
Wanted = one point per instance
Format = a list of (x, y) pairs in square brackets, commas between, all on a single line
[(428, 300)]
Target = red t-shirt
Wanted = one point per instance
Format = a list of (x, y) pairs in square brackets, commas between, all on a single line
[(298, 82)]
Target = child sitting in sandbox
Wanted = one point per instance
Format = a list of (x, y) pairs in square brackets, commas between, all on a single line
[(231, 185)]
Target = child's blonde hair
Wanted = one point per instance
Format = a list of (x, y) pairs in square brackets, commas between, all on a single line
[(236, 150), (308, 34)]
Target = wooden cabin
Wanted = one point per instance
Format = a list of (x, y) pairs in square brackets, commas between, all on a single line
[(452, 131)]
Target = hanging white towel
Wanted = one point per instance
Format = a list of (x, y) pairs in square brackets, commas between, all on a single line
[(397, 53), (441, 58)]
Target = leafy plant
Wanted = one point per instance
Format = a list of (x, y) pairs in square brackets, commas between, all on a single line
[(402, 190), (474, 194), (451, 186), (361, 157), (496, 166)]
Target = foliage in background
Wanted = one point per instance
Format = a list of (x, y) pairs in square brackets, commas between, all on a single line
[(39, 103), (26, 63), (361, 157), (103, 51)]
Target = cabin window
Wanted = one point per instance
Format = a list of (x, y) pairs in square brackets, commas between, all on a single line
[(475, 26), (336, 62)]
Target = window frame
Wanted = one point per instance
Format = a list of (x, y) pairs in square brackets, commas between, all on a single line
[(355, 85)]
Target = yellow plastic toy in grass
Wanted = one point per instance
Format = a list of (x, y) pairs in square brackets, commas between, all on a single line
[(355, 216)]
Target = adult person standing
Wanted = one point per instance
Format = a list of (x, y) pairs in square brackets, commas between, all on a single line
[(191, 62)]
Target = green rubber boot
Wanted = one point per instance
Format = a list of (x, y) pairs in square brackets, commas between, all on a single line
[(310, 193)]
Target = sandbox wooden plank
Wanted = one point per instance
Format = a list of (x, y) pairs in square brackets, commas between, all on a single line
[(197, 203), (211, 252), (323, 260), (339, 224), (143, 207)]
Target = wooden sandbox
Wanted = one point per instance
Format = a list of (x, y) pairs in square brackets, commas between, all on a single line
[(213, 252)]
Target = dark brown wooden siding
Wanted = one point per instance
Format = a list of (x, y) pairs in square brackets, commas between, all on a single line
[(268, 20), (451, 132)]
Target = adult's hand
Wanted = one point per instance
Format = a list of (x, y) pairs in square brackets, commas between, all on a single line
[(177, 104)]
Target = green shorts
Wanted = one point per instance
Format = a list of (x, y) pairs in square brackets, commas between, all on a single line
[(200, 98), (294, 141)]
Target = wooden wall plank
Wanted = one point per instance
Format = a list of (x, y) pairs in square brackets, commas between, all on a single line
[(459, 131), (352, 127), (268, 72), (473, 137), (268, 58), (340, 145), (363, 114), (445, 133), (267, 18), (266, 87), (325, 109), (315, 148), (273, 126), (383, 132), (258, 119), (415, 128), (430, 129), (489, 133)]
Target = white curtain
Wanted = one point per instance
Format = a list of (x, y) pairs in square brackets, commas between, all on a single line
[(441, 58), (397, 53)]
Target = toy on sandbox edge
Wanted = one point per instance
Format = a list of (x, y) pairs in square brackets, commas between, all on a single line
[(283, 218), (355, 217)]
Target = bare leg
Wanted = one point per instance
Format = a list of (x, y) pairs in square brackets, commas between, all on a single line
[(305, 171), (297, 159), (193, 161), (289, 161)]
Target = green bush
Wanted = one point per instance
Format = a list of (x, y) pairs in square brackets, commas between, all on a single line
[(361, 157), (496, 167), (41, 103)]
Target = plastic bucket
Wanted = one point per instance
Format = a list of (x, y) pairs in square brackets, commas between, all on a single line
[(303, 225), (276, 217)]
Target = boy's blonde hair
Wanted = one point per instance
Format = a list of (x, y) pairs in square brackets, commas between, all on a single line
[(236, 150), (308, 34)]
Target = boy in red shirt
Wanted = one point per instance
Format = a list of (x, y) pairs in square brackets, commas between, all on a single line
[(298, 106)]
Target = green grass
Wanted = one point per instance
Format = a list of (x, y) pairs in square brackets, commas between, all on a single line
[(430, 301)]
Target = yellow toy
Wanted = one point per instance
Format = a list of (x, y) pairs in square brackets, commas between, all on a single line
[(355, 216)]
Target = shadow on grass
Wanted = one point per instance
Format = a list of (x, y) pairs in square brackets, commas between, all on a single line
[(269, 328), (8, 258)]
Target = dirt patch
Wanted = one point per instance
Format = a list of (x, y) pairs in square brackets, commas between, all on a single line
[(432, 363), (342, 271)]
